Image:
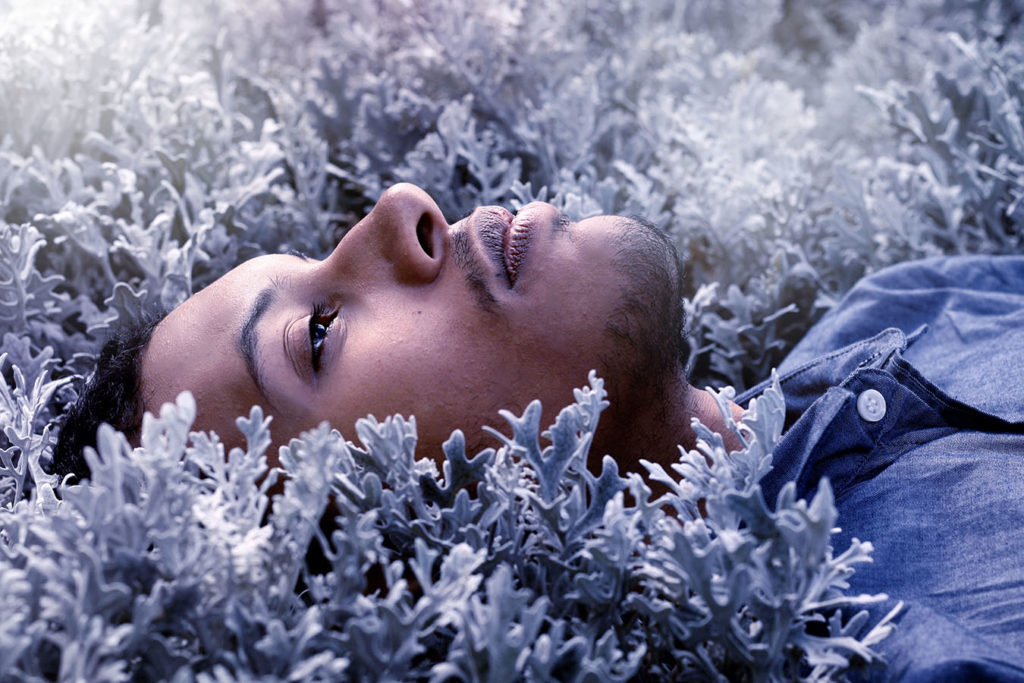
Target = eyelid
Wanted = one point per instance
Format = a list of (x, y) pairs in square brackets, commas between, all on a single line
[(320, 314), (334, 341), (297, 348)]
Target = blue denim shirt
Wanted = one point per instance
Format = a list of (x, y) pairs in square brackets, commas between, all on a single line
[(909, 398)]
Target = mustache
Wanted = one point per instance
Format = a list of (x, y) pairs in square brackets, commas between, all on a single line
[(465, 258)]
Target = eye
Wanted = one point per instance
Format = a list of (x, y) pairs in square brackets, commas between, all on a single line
[(319, 321)]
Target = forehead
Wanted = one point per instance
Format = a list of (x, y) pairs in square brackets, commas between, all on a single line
[(196, 346)]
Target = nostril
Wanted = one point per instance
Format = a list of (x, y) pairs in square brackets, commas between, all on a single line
[(423, 234)]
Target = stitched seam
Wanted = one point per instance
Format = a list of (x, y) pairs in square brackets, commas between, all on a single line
[(806, 367), (840, 486)]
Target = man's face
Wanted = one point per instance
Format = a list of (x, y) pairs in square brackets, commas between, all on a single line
[(407, 315)]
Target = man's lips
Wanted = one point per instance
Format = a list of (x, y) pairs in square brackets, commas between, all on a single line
[(493, 225), (517, 240), (506, 238)]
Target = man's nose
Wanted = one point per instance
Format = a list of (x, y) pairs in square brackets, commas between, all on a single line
[(404, 238)]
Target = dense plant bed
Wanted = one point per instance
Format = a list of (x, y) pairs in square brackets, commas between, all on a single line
[(789, 148)]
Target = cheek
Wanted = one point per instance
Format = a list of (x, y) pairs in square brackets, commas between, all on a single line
[(453, 369), (567, 329), (432, 368), (219, 408)]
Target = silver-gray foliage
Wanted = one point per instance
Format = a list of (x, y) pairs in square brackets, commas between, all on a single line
[(173, 562), (146, 147)]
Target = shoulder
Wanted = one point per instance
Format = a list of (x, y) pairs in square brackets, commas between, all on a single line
[(967, 311)]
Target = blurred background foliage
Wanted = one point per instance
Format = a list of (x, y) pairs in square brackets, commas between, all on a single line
[(789, 147)]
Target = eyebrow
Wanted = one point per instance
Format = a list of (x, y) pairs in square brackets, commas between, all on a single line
[(248, 338)]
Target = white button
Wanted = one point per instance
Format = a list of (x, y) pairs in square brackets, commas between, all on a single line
[(871, 405)]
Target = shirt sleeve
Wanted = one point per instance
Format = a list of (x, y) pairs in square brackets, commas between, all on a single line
[(927, 647)]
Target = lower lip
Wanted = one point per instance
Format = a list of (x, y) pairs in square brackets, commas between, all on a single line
[(517, 242)]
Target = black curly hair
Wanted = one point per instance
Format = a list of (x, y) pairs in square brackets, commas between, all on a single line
[(110, 395)]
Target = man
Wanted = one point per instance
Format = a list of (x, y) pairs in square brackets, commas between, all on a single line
[(410, 315), (450, 323)]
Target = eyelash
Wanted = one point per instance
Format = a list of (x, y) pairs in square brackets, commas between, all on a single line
[(319, 317)]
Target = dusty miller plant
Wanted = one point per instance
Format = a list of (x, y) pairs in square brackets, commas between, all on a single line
[(175, 562), (147, 147)]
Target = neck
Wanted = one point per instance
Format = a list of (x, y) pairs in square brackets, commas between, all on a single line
[(656, 432)]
